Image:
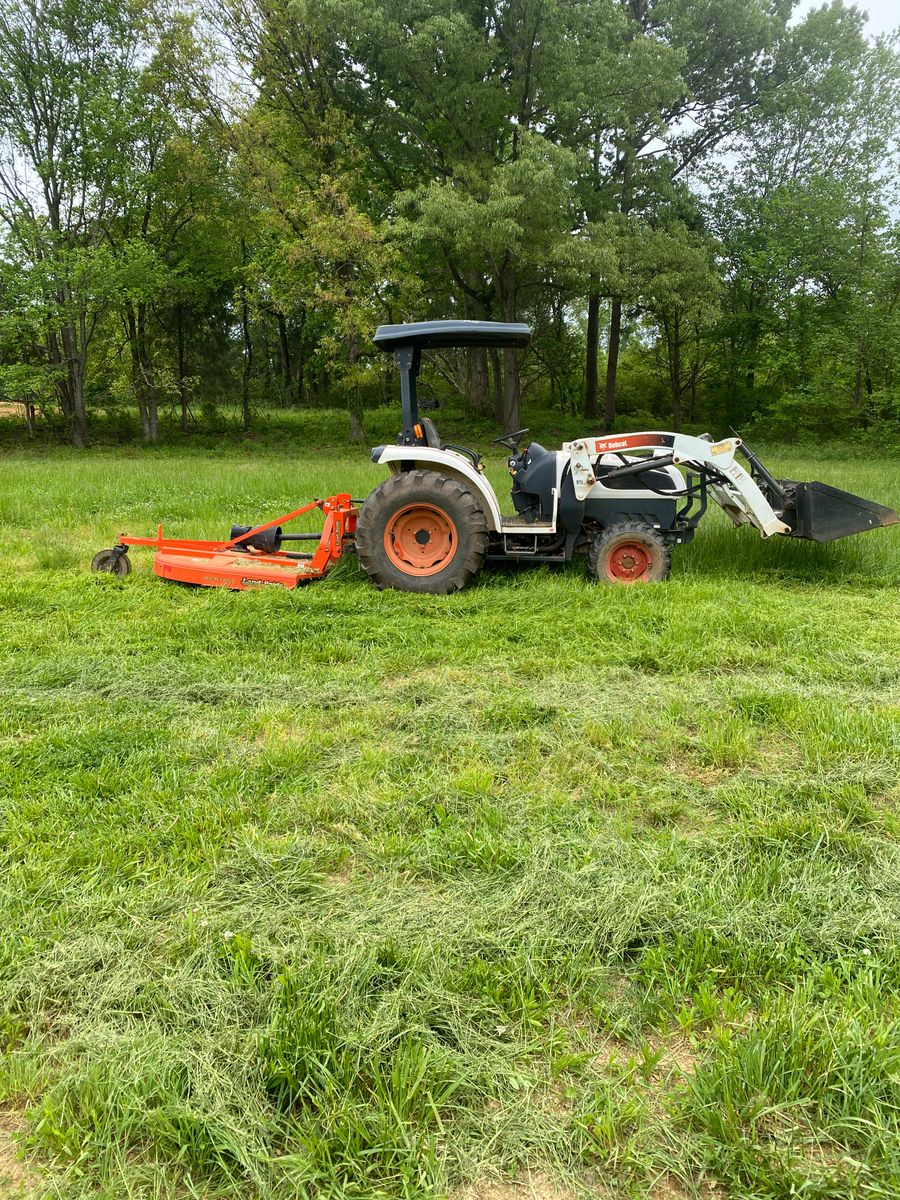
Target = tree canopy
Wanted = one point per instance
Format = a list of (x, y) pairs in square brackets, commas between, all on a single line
[(693, 202)]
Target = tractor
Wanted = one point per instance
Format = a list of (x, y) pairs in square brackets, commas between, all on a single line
[(624, 500)]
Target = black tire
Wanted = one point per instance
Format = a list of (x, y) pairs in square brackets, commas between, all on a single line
[(111, 563), (421, 531), (629, 553)]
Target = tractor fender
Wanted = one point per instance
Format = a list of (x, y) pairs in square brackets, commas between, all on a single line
[(444, 462)]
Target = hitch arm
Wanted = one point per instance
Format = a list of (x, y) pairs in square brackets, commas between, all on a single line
[(638, 468), (758, 471)]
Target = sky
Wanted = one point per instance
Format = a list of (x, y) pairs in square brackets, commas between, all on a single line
[(884, 15)]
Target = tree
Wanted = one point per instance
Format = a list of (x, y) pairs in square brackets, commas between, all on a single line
[(188, 218), (679, 292), (804, 219), (169, 204), (306, 175), (64, 92), (458, 104), (687, 73)]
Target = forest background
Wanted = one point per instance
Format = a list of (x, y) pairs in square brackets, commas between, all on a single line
[(207, 208)]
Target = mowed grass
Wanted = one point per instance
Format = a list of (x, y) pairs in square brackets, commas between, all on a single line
[(544, 888)]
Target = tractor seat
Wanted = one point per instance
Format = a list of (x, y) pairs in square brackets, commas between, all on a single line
[(434, 442), (432, 437)]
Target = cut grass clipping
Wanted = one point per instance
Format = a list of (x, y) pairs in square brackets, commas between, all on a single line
[(541, 888)]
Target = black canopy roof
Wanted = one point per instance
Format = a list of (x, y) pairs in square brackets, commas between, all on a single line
[(426, 335)]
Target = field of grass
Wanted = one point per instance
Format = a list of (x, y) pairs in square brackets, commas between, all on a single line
[(542, 889)]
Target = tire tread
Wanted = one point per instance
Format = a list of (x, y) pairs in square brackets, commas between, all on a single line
[(601, 541), (407, 487)]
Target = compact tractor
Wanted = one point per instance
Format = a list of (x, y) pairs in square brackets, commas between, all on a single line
[(624, 500)]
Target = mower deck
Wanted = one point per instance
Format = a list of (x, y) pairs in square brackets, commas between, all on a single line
[(251, 558), (231, 569)]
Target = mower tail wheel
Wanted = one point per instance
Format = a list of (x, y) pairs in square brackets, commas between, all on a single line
[(112, 562), (421, 531), (629, 553)]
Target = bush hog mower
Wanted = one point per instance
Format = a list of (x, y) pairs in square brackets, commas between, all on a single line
[(623, 499)]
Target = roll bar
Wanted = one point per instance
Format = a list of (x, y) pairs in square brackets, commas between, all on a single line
[(406, 342)]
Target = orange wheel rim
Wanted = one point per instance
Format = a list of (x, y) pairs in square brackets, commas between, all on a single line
[(420, 539), (629, 562)]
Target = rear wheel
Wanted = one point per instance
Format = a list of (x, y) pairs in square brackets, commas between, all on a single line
[(629, 553), (420, 531)]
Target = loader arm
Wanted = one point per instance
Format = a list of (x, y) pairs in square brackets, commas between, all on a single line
[(730, 485)]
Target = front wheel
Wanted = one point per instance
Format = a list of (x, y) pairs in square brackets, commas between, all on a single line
[(629, 553), (420, 531)]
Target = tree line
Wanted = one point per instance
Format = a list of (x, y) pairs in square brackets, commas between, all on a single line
[(693, 202)]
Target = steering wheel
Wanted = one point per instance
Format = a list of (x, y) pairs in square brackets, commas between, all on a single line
[(510, 440)]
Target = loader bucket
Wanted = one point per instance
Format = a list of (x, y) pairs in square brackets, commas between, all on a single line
[(824, 514)]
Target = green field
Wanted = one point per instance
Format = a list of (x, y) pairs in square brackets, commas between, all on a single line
[(539, 889)]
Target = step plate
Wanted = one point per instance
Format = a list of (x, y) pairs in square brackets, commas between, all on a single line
[(512, 525)]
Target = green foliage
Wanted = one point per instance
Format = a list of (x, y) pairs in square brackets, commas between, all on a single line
[(176, 246), (810, 240)]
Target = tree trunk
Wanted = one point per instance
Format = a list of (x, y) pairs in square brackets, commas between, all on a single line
[(65, 352), (508, 417), (357, 426), (695, 371), (61, 383), (861, 343), (141, 370), (151, 433), (624, 167), (137, 389), (674, 337), (612, 363), (182, 385), (248, 361), (284, 350), (248, 347), (592, 381), (70, 391), (357, 423), (498, 386), (477, 383), (137, 385), (300, 382), (861, 374), (80, 435)]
